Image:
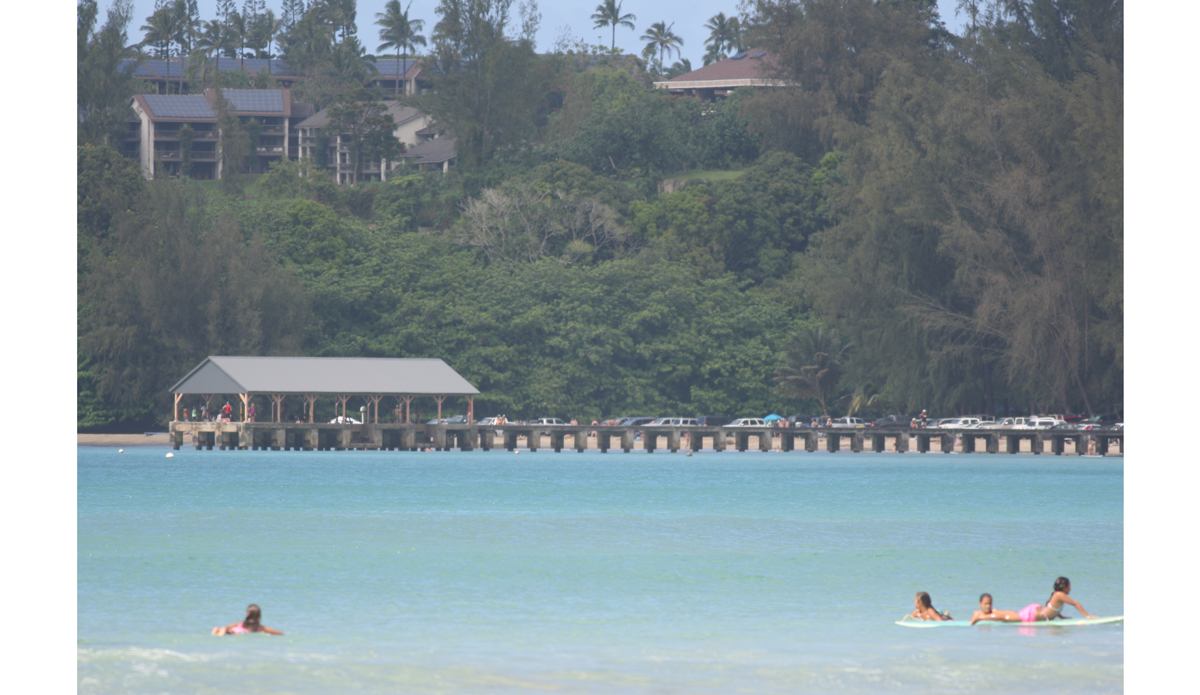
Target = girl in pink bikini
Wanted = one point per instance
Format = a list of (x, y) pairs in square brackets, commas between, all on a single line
[(252, 623), (1053, 609)]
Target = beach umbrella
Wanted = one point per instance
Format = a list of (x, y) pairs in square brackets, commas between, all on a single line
[(772, 417)]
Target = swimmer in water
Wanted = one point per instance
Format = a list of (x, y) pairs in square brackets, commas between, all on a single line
[(925, 610), (252, 623), (986, 612), (1053, 609)]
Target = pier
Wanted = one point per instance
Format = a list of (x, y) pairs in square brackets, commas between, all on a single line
[(279, 436)]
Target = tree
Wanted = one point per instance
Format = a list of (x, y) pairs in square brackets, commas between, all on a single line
[(104, 81), (163, 29), (722, 35), (812, 366), (608, 13), (368, 125), (659, 37), (291, 12), (398, 32), (487, 85)]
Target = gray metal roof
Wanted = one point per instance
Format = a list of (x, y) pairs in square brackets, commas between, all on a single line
[(325, 375), (432, 151)]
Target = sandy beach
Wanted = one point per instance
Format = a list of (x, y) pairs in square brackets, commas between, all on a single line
[(122, 440)]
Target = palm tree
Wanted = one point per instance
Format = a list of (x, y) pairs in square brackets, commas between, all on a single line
[(398, 32), (269, 26), (239, 32), (161, 31), (720, 34), (681, 67), (812, 366), (660, 37), (608, 14)]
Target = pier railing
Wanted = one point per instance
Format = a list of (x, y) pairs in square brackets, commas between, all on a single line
[(413, 437)]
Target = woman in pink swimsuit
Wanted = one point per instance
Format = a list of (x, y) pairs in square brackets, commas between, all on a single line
[(252, 623), (1053, 609)]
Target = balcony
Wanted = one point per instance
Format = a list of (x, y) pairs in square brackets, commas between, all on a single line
[(271, 150)]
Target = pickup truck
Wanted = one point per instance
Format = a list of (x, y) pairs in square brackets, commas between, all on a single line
[(848, 422)]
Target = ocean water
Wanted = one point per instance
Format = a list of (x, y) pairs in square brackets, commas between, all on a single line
[(489, 572)]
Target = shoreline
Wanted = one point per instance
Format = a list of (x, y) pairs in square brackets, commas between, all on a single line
[(123, 440)]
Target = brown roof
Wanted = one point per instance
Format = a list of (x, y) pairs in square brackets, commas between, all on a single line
[(754, 66)]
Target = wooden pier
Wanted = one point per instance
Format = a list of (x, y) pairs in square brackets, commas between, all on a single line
[(278, 436)]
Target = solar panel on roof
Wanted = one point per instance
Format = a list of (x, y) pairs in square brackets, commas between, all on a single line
[(738, 56), (759, 55), (175, 106), (255, 99)]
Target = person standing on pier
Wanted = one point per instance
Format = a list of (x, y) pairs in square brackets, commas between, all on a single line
[(250, 415), (227, 411)]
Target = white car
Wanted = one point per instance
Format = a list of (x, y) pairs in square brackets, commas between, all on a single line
[(343, 421), (959, 423), (548, 421), (846, 422), (748, 422), (1043, 422), (1008, 423), (487, 421), (674, 422)]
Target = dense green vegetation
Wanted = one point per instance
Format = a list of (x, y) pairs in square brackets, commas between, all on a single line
[(921, 220)]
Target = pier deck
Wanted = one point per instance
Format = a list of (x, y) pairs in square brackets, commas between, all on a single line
[(412, 437)]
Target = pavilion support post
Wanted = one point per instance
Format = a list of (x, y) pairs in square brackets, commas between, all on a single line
[(208, 403), (407, 409), (439, 400), (341, 399), (245, 406), (470, 410), (178, 397), (310, 400), (277, 407), (375, 403)]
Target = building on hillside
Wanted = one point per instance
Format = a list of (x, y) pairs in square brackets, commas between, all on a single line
[(170, 76), (432, 155), (412, 128), (750, 68), (155, 136), (398, 76)]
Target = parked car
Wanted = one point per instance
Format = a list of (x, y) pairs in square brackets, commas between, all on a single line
[(548, 421), (637, 421), (713, 420), (892, 421), (675, 422), (847, 422), (345, 421), (1042, 422), (1103, 421), (1008, 423), (487, 421), (456, 420), (748, 422), (961, 423)]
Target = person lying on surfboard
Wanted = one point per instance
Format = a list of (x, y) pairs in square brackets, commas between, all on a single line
[(1053, 609), (925, 610), (986, 612), (252, 623)]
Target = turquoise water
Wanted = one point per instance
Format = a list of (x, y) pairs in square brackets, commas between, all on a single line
[(489, 572)]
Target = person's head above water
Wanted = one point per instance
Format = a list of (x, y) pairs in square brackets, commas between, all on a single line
[(1062, 584), (922, 599), (253, 617), (985, 602)]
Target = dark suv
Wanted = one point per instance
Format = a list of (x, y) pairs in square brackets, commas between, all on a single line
[(713, 420)]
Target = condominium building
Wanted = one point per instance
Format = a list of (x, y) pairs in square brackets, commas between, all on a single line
[(171, 132), (333, 150)]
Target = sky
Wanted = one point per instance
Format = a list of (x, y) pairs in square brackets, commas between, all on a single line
[(559, 18)]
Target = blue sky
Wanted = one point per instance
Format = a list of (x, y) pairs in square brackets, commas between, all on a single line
[(558, 17)]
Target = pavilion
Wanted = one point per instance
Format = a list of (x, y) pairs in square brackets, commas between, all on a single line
[(341, 378)]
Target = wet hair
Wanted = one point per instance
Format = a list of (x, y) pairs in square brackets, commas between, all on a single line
[(923, 597), (1060, 584), (983, 596), (253, 619)]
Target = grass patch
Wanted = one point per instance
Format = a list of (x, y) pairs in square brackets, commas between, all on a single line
[(711, 175)]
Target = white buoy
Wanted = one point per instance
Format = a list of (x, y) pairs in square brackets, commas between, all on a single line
[(120, 451), (516, 452), (170, 456)]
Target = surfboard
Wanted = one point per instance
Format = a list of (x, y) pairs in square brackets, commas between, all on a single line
[(904, 622)]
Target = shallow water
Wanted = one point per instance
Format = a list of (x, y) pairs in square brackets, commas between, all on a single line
[(457, 572)]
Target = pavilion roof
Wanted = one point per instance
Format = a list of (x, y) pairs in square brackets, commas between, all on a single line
[(325, 375)]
